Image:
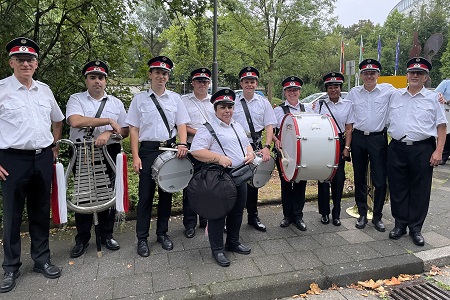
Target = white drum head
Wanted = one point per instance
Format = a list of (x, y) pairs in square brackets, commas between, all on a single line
[(262, 173), (310, 145), (171, 173)]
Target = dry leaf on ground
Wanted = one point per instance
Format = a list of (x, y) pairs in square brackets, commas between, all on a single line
[(314, 289)]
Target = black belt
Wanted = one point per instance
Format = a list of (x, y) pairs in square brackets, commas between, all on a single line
[(26, 152), (156, 145), (411, 143), (367, 132)]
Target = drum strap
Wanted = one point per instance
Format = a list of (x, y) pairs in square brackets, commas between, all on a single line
[(163, 115), (287, 111), (332, 115), (213, 133), (90, 130), (255, 135)]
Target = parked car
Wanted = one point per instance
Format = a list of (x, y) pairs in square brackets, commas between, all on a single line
[(308, 101)]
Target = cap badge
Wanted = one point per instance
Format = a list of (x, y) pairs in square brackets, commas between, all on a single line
[(416, 65), (249, 74), (226, 97), (369, 60), (333, 74), (292, 78), (97, 63), (417, 59), (292, 83), (164, 58), (163, 64), (203, 70), (23, 41), (23, 49), (333, 78), (202, 74), (97, 69), (369, 66), (226, 91)]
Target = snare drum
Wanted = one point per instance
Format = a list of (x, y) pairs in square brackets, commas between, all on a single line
[(310, 145), (171, 173), (447, 115), (262, 173)]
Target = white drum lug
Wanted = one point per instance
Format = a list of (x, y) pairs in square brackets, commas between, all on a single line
[(332, 166)]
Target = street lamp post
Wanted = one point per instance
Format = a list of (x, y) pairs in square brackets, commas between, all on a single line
[(215, 67)]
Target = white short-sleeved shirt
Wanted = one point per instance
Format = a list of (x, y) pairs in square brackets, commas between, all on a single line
[(26, 115), (84, 105), (227, 137), (144, 115), (370, 108), (261, 113), (414, 118), (200, 111), (342, 111), (295, 110)]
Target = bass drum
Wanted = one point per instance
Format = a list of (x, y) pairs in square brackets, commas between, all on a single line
[(262, 172), (310, 147), (171, 173)]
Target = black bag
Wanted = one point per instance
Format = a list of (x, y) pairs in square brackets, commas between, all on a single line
[(242, 173), (211, 192)]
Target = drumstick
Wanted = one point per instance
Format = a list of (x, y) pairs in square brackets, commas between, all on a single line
[(170, 149), (284, 160)]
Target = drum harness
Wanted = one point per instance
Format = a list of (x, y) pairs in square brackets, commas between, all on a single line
[(256, 136), (341, 134), (163, 116)]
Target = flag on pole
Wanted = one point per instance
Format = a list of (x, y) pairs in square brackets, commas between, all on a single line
[(397, 55), (342, 58), (361, 51), (379, 48)]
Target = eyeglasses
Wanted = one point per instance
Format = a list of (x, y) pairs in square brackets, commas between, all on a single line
[(21, 61), (202, 81), (418, 73)]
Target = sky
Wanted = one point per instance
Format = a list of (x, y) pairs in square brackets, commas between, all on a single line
[(350, 12)]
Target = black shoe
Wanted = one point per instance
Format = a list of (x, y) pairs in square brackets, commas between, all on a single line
[(256, 223), (165, 241), (336, 222), (9, 281), (285, 222), (111, 244), (361, 223), (397, 233), (300, 224), (203, 224), (189, 233), (417, 238), (78, 250), (221, 259), (142, 248), (48, 270), (325, 219), (241, 249), (379, 225)]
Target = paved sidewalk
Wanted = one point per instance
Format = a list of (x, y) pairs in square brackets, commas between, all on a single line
[(283, 262)]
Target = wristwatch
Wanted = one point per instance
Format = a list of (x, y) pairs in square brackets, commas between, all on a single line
[(267, 146), (348, 148)]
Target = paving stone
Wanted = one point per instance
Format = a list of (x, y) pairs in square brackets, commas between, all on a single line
[(302, 260), (272, 264), (275, 246), (170, 279)]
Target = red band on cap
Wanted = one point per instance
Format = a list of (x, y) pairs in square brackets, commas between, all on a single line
[(334, 79), (224, 97), (292, 84), (200, 75), (95, 69), (249, 74), (160, 64), (418, 66), (22, 49), (370, 66)]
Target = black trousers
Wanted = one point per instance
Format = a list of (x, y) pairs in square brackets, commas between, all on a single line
[(292, 196), (252, 194), (373, 149), (106, 218), (29, 179), (446, 152), (233, 222), (189, 216), (337, 188), (410, 177), (147, 188)]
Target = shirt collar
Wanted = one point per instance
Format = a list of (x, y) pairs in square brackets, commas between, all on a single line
[(93, 99), (17, 85), (297, 106)]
